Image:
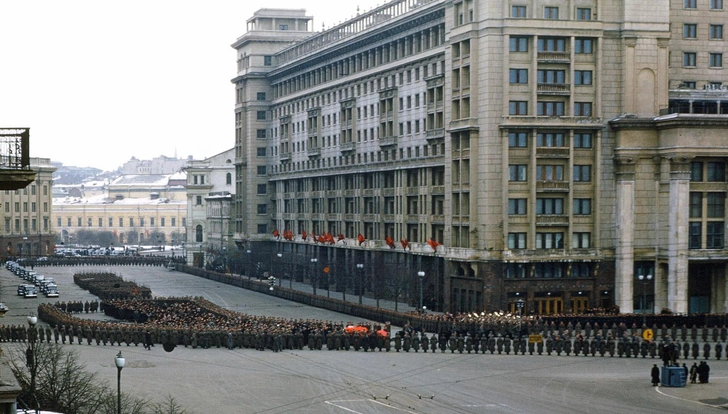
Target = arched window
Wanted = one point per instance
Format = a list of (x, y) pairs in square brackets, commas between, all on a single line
[(198, 233), (229, 179)]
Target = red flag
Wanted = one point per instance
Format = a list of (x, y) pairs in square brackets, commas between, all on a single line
[(361, 239), (330, 238), (433, 244), (304, 235), (405, 243), (389, 242), (276, 233), (322, 239)]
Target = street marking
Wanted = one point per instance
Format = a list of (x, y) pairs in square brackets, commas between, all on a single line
[(364, 400), (685, 399)]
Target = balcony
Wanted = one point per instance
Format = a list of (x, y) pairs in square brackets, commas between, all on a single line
[(552, 152), (388, 217), (285, 156), (552, 220), (387, 141), (349, 193), (314, 152), (15, 172), (552, 186), (553, 88), (347, 146), (412, 191), (433, 134), (367, 192), (388, 191), (437, 189), (369, 217), (349, 217), (554, 57), (437, 219)]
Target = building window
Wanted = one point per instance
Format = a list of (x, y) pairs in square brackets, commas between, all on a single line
[(516, 271), (101, 222), (714, 235), (550, 173), (548, 270), (551, 76), (550, 206), (518, 108), (262, 229), (582, 173), (262, 208), (550, 139), (696, 171), (517, 173), (261, 170), (716, 205), (582, 77), (121, 221), (267, 60), (716, 171), (582, 140), (518, 139), (690, 4), (689, 59), (580, 240), (516, 240), (198, 200), (716, 31), (716, 60), (696, 205), (260, 115), (690, 30), (695, 238), (549, 108), (583, 13), (7, 223), (228, 179), (517, 206), (162, 222), (260, 96), (260, 151), (198, 233), (551, 44), (583, 46), (518, 76), (549, 240), (262, 189), (582, 109), (518, 43), (716, 4), (551, 13), (260, 133), (582, 207), (518, 11)]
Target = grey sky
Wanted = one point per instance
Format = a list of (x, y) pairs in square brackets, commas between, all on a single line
[(101, 81)]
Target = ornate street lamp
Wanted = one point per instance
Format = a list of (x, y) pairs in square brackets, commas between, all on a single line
[(360, 266), (644, 280), (119, 361), (421, 274), (30, 357), (314, 277)]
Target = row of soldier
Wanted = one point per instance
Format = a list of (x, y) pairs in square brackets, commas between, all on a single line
[(78, 306)]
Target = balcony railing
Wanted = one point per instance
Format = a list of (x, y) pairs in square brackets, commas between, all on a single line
[(552, 152), (554, 57), (553, 88), (15, 172), (558, 186)]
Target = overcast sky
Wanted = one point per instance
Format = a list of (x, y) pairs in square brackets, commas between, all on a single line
[(100, 81)]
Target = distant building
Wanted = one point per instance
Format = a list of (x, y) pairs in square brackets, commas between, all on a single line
[(210, 185), (137, 209), (26, 215), (159, 165)]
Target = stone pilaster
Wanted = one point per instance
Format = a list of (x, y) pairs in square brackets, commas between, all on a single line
[(677, 242), (624, 252)]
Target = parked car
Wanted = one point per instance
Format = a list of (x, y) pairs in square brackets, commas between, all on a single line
[(51, 291), (30, 292)]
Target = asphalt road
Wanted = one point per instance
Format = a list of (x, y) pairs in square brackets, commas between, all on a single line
[(249, 381)]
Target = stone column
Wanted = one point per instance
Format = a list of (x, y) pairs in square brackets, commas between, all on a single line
[(624, 252), (677, 242)]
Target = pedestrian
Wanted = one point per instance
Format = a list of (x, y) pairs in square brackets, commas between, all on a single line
[(693, 373), (655, 375), (147, 340)]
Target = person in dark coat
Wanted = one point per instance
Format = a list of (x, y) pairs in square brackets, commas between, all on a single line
[(693, 373), (655, 375)]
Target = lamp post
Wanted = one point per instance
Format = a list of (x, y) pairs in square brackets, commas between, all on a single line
[(360, 266), (519, 305), (644, 280), (280, 256), (421, 274), (119, 361), (30, 357), (314, 278), (250, 263)]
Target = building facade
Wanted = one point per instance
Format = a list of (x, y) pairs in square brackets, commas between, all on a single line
[(210, 185), (27, 227), (552, 152)]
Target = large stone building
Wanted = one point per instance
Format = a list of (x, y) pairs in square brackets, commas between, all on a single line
[(558, 150), (27, 227), (210, 185)]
